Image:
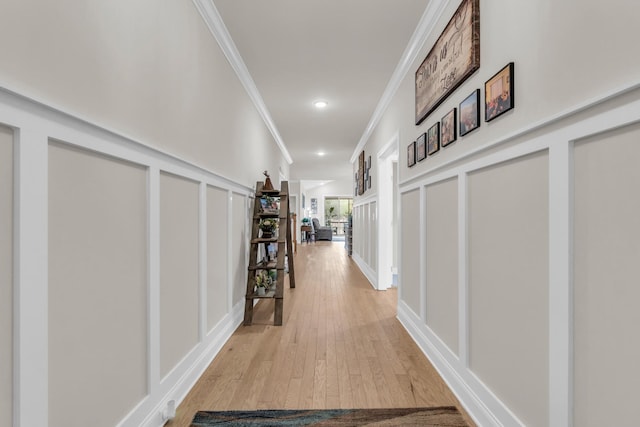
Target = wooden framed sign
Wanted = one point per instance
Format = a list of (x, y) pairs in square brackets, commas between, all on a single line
[(453, 58)]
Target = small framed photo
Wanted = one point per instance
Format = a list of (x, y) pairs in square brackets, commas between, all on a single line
[(498, 93), (411, 154), (448, 132), (421, 147), (470, 113), (433, 138)]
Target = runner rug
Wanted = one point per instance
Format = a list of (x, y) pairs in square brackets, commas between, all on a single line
[(445, 416)]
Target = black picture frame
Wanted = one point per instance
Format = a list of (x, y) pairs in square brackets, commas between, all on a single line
[(433, 139), (469, 110), (499, 93), (411, 154), (448, 129), (421, 147)]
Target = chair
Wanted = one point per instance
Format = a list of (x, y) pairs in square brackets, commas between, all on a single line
[(322, 233)]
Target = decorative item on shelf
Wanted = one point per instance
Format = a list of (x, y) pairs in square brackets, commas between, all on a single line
[(268, 226), (263, 281), (268, 186), (269, 205), (273, 276), (306, 221)]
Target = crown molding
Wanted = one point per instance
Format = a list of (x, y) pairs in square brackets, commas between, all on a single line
[(216, 26), (425, 27)]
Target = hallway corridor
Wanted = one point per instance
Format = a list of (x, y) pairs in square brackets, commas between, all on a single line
[(340, 346)]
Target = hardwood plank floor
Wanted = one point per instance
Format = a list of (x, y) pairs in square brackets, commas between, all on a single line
[(340, 346)]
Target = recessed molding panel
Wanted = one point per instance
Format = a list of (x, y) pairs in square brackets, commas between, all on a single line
[(6, 276), (217, 254), (410, 240), (442, 260), (606, 270), (97, 287), (509, 283), (179, 274)]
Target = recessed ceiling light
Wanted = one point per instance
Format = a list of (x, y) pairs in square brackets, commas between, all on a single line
[(321, 153), (320, 104)]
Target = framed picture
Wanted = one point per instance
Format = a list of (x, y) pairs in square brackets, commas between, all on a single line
[(498, 93), (470, 113), (411, 154), (361, 168), (433, 138), (451, 60), (448, 132), (421, 147)]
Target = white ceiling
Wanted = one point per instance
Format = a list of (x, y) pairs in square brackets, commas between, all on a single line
[(342, 51)]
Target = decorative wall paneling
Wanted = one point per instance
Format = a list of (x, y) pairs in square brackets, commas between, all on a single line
[(34, 126), (6, 275), (365, 229), (553, 141)]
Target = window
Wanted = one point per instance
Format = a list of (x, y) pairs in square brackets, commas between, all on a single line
[(336, 213)]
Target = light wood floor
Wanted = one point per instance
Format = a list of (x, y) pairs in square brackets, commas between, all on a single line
[(340, 346)]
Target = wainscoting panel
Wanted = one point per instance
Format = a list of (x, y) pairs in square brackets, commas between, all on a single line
[(606, 268), (508, 286), (365, 234), (179, 201), (373, 235), (217, 255), (365, 238), (547, 268), (6, 276), (409, 281), (239, 251), (97, 287), (109, 289), (442, 260), (358, 231)]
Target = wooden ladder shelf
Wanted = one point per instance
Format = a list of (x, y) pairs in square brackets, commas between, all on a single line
[(260, 266)]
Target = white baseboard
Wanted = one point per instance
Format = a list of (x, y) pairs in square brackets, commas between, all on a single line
[(369, 273), (481, 405), (149, 412)]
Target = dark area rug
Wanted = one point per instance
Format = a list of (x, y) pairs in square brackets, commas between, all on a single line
[(439, 416)]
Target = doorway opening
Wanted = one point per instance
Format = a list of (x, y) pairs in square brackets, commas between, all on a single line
[(388, 214)]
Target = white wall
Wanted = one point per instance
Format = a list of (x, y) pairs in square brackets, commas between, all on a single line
[(115, 64), (137, 136), (336, 188), (506, 345)]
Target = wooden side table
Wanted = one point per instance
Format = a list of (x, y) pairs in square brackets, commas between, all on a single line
[(305, 232)]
